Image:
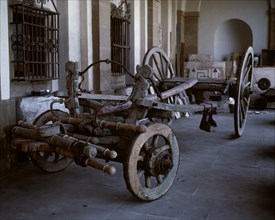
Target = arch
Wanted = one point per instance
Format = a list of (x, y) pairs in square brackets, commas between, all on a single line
[(233, 35)]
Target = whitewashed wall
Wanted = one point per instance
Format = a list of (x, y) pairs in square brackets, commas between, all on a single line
[(4, 52), (213, 13)]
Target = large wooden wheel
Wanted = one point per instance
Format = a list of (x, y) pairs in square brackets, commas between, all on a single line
[(49, 161), (163, 70), (244, 87), (152, 163), (160, 63)]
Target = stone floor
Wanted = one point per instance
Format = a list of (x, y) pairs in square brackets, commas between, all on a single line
[(220, 178)]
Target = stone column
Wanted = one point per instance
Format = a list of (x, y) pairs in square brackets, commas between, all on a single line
[(135, 39), (86, 42), (4, 51), (272, 28), (153, 23), (180, 35), (187, 35), (101, 45), (143, 28), (166, 20), (191, 21)]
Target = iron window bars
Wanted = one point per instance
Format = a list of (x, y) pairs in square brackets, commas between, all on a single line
[(35, 42), (120, 24)]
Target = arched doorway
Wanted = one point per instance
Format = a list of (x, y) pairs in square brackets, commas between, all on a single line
[(233, 35)]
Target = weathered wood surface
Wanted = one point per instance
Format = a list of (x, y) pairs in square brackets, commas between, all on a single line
[(103, 97), (186, 84)]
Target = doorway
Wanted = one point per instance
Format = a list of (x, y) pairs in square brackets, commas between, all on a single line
[(233, 35)]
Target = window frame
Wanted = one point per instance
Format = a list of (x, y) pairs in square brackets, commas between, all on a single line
[(34, 43), (120, 38)]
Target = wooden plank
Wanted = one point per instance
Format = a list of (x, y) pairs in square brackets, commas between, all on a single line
[(162, 106), (182, 58), (175, 90), (121, 46), (103, 97), (171, 49)]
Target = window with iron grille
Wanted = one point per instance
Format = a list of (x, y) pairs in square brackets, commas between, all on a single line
[(35, 43), (120, 45)]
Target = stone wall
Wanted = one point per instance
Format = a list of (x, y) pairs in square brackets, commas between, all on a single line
[(31, 107), (272, 28), (154, 29), (7, 117), (13, 110)]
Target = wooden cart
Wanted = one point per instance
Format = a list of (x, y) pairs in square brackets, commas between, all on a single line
[(133, 130), (238, 88)]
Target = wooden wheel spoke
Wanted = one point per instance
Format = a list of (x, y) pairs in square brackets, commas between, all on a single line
[(140, 173), (243, 111), (155, 140), (248, 70), (140, 158), (46, 155), (248, 84), (167, 70), (148, 182), (157, 77), (171, 71), (56, 158), (157, 65), (176, 99), (170, 100), (159, 179), (165, 147), (146, 146), (162, 65), (246, 101)]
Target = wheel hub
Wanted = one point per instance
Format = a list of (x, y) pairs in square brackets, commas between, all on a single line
[(164, 163), (158, 162)]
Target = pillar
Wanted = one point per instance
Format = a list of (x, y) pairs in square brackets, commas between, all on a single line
[(154, 23), (272, 28), (4, 52), (101, 45), (191, 25)]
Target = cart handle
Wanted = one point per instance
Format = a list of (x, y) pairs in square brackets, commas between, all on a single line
[(108, 62)]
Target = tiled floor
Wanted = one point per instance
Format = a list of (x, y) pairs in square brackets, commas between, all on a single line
[(219, 178)]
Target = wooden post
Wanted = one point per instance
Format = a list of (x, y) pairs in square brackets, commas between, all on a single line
[(182, 58), (171, 49)]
